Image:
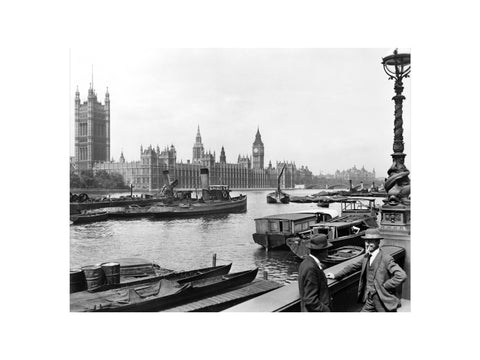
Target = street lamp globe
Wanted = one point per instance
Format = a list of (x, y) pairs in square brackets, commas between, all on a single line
[(397, 66)]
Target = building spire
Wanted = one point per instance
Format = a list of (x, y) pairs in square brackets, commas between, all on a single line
[(92, 76), (198, 138)]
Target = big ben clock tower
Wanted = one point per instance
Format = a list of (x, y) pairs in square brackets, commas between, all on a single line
[(258, 151)]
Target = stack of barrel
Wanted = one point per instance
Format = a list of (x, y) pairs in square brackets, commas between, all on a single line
[(92, 277)]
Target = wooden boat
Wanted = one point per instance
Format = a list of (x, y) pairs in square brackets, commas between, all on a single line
[(180, 277), (278, 196), (314, 198), (272, 231), (130, 269), (159, 295), (336, 256), (88, 218), (344, 231)]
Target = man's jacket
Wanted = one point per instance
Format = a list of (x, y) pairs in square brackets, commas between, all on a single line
[(387, 274), (313, 288)]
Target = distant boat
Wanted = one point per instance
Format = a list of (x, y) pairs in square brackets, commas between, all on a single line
[(357, 205), (278, 196), (321, 196), (88, 218), (216, 200)]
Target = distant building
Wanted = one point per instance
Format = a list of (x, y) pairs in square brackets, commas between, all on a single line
[(147, 174), (92, 130), (303, 176), (92, 152), (356, 175), (258, 151)]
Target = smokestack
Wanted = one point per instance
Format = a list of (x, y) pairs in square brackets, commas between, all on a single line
[(204, 178), (350, 185), (166, 177)]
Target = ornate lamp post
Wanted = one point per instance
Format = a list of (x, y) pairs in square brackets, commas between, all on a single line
[(397, 67), (395, 213)]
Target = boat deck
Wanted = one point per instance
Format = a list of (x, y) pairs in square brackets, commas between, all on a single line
[(229, 298)]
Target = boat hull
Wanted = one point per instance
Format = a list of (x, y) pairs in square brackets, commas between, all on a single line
[(88, 218), (180, 277), (275, 198), (201, 209), (342, 254), (298, 245), (270, 241), (77, 207), (185, 293)]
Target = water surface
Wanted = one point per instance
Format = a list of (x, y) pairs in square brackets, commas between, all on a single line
[(182, 244)]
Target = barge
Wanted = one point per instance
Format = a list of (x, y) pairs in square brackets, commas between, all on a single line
[(272, 231)]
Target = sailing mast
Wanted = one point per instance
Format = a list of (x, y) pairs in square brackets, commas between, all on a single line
[(278, 180)]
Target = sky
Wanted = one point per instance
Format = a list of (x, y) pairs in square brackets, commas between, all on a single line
[(327, 109)]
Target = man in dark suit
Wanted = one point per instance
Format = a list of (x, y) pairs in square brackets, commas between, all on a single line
[(379, 278), (312, 282)]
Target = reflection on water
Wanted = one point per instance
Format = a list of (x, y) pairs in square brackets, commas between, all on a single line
[(189, 243), (280, 265)]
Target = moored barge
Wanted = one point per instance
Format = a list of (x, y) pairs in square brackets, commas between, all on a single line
[(272, 231)]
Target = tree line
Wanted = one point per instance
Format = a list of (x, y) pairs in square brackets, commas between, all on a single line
[(100, 179)]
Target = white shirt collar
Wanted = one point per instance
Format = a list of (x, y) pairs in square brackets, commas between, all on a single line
[(316, 260), (375, 253)]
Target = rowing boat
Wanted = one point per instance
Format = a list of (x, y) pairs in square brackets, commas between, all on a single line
[(180, 277), (159, 295)]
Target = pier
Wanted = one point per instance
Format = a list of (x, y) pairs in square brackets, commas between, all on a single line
[(229, 298)]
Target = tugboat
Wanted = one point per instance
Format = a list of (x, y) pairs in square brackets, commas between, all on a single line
[(278, 196), (215, 199)]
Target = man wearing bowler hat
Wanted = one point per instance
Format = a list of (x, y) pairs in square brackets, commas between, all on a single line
[(379, 278), (312, 282)]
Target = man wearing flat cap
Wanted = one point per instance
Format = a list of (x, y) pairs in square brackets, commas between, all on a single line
[(312, 282), (379, 278)]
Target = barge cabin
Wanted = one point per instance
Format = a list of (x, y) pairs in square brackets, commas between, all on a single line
[(272, 231), (359, 205)]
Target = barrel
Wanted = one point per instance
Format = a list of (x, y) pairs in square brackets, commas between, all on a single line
[(94, 275), (77, 280), (112, 272)]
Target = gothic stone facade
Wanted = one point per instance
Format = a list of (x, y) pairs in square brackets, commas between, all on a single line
[(248, 172), (92, 130)]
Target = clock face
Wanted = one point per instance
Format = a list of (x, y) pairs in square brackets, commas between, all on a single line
[(255, 150)]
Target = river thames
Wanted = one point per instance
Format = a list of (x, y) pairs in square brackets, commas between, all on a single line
[(183, 244)]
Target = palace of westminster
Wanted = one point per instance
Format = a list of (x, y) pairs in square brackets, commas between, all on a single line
[(92, 152)]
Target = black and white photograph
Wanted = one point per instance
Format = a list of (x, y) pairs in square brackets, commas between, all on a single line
[(242, 180), (207, 180)]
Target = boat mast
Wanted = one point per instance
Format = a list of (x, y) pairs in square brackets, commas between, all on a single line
[(278, 180)]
